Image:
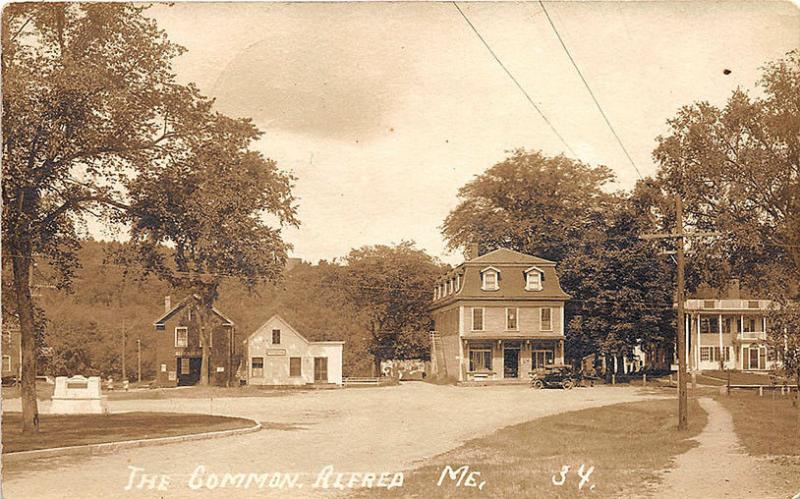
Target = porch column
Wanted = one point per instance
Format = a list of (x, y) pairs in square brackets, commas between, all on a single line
[(697, 348), (721, 353), (686, 339)]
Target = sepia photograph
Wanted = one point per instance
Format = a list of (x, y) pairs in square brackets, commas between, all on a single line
[(400, 249)]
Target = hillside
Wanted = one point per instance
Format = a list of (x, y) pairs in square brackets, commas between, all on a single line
[(85, 326)]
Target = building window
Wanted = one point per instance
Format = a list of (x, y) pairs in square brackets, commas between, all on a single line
[(480, 359), (709, 325), (276, 336), (542, 358), (181, 337), (477, 319), (257, 367), (749, 325), (295, 366), (533, 280), (6, 363), (163, 368), (713, 354), (511, 319), (546, 315), (489, 279), (184, 366)]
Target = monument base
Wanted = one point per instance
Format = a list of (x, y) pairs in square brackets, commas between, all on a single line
[(78, 406)]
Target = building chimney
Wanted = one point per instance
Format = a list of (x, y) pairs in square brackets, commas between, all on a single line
[(167, 304), (734, 290), (472, 251)]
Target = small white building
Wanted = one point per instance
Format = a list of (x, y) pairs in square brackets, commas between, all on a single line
[(279, 355)]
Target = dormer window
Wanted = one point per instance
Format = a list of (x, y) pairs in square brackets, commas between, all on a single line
[(533, 279), (490, 278)]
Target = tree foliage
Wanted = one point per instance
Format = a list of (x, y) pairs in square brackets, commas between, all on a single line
[(623, 287), (530, 203), (210, 204), (89, 97), (737, 169), (557, 208), (392, 286)]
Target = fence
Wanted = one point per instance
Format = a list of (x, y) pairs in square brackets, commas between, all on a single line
[(361, 381)]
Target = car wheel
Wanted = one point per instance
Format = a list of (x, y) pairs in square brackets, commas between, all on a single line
[(568, 384), (537, 384)]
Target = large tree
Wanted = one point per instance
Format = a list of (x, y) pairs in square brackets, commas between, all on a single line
[(529, 202), (392, 287), (737, 169), (622, 286), (559, 209), (88, 97), (214, 211)]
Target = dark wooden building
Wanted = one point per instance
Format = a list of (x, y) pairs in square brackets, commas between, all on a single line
[(178, 352)]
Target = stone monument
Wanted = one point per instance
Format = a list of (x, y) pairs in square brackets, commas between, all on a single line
[(77, 395)]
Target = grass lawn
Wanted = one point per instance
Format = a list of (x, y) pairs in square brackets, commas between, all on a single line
[(44, 391), (200, 392), (767, 425), (626, 443), (720, 378), (66, 431)]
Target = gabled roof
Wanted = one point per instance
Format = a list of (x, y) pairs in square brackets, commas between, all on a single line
[(277, 317), (505, 255), (161, 320), (529, 269)]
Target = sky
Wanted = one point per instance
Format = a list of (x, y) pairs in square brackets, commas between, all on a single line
[(383, 110)]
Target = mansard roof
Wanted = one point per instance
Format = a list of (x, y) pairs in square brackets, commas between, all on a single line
[(509, 256)]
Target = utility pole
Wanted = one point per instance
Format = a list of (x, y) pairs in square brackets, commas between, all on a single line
[(124, 370), (139, 360), (680, 236), (683, 417)]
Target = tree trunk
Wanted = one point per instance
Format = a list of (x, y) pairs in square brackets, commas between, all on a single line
[(377, 366), (22, 262), (205, 323)]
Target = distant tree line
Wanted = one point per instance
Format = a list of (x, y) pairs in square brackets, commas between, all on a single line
[(376, 304)]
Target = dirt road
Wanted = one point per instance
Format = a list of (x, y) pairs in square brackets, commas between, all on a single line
[(356, 430)]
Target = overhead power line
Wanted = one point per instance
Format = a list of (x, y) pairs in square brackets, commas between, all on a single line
[(586, 84), (510, 75)]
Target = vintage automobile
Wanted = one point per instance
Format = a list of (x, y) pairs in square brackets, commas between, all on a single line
[(555, 377)]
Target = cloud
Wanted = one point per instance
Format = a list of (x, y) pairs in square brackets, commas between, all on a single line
[(339, 76)]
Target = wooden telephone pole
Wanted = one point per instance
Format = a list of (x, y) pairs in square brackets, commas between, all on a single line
[(139, 360), (124, 370), (683, 416), (680, 236)]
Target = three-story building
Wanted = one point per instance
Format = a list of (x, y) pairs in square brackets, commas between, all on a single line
[(497, 317)]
